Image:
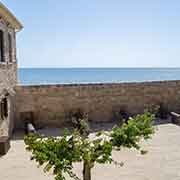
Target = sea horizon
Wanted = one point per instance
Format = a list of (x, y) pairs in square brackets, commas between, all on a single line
[(98, 67), (69, 75)]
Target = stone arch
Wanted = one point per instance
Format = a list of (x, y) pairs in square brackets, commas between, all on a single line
[(4, 104)]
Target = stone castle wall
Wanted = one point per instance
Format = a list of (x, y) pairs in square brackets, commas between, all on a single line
[(8, 70), (51, 103), (8, 76), (8, 79)]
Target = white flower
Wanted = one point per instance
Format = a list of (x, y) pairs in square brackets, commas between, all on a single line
[(68, 138), (91, 144), (58, 137), (39, 139)]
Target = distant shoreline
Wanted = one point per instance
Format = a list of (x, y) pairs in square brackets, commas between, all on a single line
[(99, 84)]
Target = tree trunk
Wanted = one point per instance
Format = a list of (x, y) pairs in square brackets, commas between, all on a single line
[(86, 171)]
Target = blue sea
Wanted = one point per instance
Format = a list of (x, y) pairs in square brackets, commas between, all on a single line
[(36, 76)]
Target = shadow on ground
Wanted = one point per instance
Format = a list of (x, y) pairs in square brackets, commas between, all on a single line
[(94, 127)]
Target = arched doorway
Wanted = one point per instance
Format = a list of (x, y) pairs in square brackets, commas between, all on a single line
[(6, 124), (4, 108)]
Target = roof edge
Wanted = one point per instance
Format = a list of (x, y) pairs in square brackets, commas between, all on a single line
[(6, 13)]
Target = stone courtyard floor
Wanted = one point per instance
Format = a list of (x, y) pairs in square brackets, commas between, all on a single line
[(161, 163)]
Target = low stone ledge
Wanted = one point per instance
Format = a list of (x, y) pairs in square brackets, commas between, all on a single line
[(175, 118)]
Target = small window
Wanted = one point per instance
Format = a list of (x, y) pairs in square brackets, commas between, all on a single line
[(4, 108), (2, 46), (10, 47)]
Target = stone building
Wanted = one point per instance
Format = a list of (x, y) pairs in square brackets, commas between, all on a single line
[(9, 26)]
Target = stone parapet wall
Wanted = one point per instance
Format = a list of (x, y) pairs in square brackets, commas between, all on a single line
[(51, 103)]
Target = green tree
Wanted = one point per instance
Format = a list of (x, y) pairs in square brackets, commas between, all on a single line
[(59, 154)]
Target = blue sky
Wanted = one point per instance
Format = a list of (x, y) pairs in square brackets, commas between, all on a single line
[(98, 33)]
